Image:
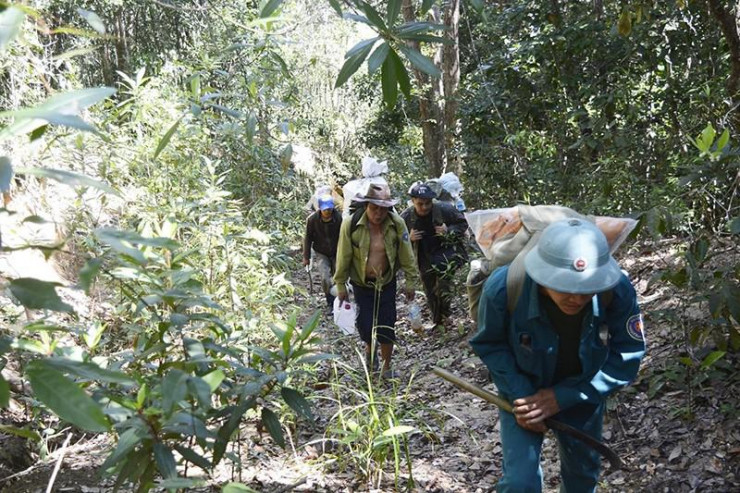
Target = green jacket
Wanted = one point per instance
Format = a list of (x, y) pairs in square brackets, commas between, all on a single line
[(354, 248)]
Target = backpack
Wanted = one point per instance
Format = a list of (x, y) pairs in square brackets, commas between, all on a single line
[(507, 235)]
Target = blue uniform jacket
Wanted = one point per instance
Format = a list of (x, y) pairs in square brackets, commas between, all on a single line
[(520, 349)]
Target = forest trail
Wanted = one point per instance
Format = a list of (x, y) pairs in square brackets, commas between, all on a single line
[(665, 447), (457, 447)]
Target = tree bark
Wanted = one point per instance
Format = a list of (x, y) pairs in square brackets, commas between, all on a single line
[(430, 109), (451, 81), (729, 27)]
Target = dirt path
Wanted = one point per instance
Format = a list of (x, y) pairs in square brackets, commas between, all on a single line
[(668, 445)]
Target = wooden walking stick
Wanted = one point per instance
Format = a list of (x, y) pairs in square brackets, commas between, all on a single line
[(502, 403)]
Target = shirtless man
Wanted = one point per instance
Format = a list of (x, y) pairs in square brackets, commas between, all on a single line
[(373, 245)]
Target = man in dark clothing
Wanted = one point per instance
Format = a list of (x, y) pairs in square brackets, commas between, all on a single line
[(322, 234), (436, 230), (574, 337)]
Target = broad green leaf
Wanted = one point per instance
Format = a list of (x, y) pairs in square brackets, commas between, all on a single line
[(377, 58), (126, 443), (89, 371), (66, 399), (425, 6), (624, 24), (310, 326), (21, 432), (214, 379), (286, 155), (201, 391), (394, 8), (270, 7), (69, 178), (181, 484), (427, 38), (225, 432), (477, 5), (357, 18), (88, 273), (723, 140), (420, 61), (225, 110), (94, 333), (237, 488), (706, 138), (166, 138), (251, 126), (297, 402), (165, 461), (55, 108), (313, 358), (336, 6), (6, 174), (73, 53), (93, 19), (360, 47), (401, 74), (389, 80), (122, 241), (10, 23), (398, 430), (712, 358), (418, 27), (191, 456), (373, 16), (34, 219), (735, 225), (272, 423), (174, 389), (4, 392), (38, 295)]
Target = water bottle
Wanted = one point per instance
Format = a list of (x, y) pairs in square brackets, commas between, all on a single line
[(415, 316), (460, 204)]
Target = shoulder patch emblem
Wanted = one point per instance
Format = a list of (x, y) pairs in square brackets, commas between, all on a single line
[(405, 237), (634, 327)]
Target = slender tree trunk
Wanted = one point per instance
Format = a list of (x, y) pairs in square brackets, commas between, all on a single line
[(451, 81), (430, 109), (729, 26)]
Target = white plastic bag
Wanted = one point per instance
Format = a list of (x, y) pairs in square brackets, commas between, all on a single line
[(357, 187), (415, 316), (371, 167), (344, 316)]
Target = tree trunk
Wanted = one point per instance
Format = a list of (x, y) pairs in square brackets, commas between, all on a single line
[(451, 81), (729, 27), (430, 107)]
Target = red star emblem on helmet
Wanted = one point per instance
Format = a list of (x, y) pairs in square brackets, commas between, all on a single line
[(580, 264)]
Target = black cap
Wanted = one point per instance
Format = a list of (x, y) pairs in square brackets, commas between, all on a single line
[(422, 191)]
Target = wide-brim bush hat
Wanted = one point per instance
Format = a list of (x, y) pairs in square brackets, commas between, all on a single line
[(378, 194), (572, 256), (421, 190), (326, 202)]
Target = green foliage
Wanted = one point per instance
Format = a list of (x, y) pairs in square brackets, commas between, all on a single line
[(369, 427), (393, 37), (558, 107)]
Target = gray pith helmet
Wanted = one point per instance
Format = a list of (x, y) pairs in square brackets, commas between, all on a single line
[(572, 256)]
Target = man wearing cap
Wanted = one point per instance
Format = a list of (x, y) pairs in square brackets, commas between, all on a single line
[(436, 230), (322, 234), (574, 337), (373, 245)]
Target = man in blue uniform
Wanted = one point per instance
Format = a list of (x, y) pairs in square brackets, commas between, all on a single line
[(574, 337)]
